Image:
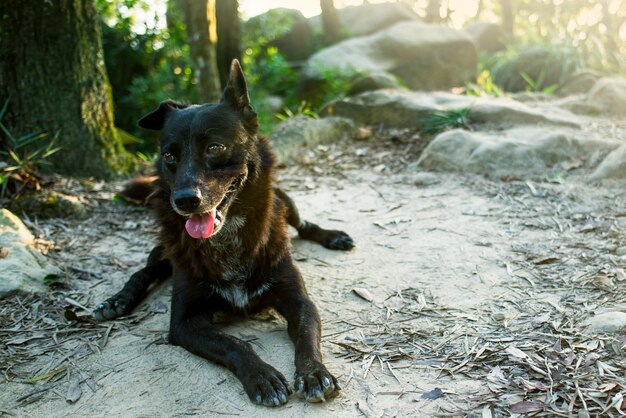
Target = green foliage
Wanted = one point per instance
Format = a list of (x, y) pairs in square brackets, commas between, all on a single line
[(448, 119), (262, 30), (146, 64), (484, 86), (303, 110), (582, 25), (336, 84), (22, 157)]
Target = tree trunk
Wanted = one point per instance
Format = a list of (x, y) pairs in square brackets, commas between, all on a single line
[(612, 34), (199, 16), (52, 69), (433, 14), (479, 10), (330, 22), (228, 36), (507, 17)]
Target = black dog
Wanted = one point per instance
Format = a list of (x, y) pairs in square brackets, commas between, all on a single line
[(224, 239)]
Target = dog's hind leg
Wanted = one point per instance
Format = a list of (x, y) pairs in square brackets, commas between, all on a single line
[(135, 289), (332, 239)]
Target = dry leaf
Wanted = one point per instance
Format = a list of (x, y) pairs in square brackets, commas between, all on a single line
[(516, 352), (525, 407), (530, 386), (363, 133), (436, 393), (3, 252), (487, 412), (73, 392), (547, 260), (363, 293)]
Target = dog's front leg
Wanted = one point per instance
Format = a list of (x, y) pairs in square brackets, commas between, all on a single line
[(313, 381), (192, 329)]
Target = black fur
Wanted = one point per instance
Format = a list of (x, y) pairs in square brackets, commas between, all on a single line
[(213, 157)]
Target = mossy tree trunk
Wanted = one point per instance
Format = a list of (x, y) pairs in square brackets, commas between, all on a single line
[(228, 36), (52, 69), (199, 17), (508, 17), (433, 11), (330, 22)]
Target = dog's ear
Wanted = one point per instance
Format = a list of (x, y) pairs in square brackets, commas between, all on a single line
[(236, 90), (236, 95), (156, 119)]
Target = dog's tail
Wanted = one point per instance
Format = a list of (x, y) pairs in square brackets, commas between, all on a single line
[(139, 190)]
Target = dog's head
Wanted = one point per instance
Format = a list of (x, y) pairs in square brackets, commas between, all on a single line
[(206, 152)]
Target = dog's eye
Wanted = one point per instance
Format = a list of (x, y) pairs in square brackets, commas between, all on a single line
[(215, 149), (169, 158)]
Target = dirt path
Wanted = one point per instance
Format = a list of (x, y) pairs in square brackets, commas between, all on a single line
[(478, 292)]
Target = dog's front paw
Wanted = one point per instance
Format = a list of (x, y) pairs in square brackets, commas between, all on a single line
[(315, 383), (266, 386), (339, 240), (113, 307)]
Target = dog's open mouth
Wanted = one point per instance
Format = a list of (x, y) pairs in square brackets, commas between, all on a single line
[(203, 225)]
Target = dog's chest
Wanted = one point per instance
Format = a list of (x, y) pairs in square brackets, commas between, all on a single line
[(227, 252), (238, 295)]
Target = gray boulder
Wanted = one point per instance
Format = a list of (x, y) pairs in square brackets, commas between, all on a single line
[(613, 166), (368, 18), (407, 109), (489, 37), (22, 267), (525, 152), (371, 82), (423, 56), (579, 82), (291, 138), (545, 66), (608, 95), (606, 323)]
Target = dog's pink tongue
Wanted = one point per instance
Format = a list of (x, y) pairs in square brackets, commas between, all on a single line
[(201, 226)]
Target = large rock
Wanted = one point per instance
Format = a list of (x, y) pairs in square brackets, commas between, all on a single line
[(613, 166), (22, 267), (295, 134), (606, 323), (545, 66), (489, 37), (608, 95), (406, 109), (368, 18), (525, 152), (372, 82), (423, 56), (579, 82)]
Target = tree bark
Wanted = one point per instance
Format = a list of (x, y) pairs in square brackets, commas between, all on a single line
[(199, 16), (479, 10), (433, 12), (612, 34), (52, 69), (330, 22), (228, 36), (507, 17)]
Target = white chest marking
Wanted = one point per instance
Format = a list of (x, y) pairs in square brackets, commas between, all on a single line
[(238, 296)]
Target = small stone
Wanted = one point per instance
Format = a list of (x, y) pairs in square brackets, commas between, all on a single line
[(621, 251), (607, 322), (425, 179)]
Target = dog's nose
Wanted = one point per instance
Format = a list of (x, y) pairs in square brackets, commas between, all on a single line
[(187, 200)]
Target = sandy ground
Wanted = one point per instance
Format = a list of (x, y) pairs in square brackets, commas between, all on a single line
[(459, 269)]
